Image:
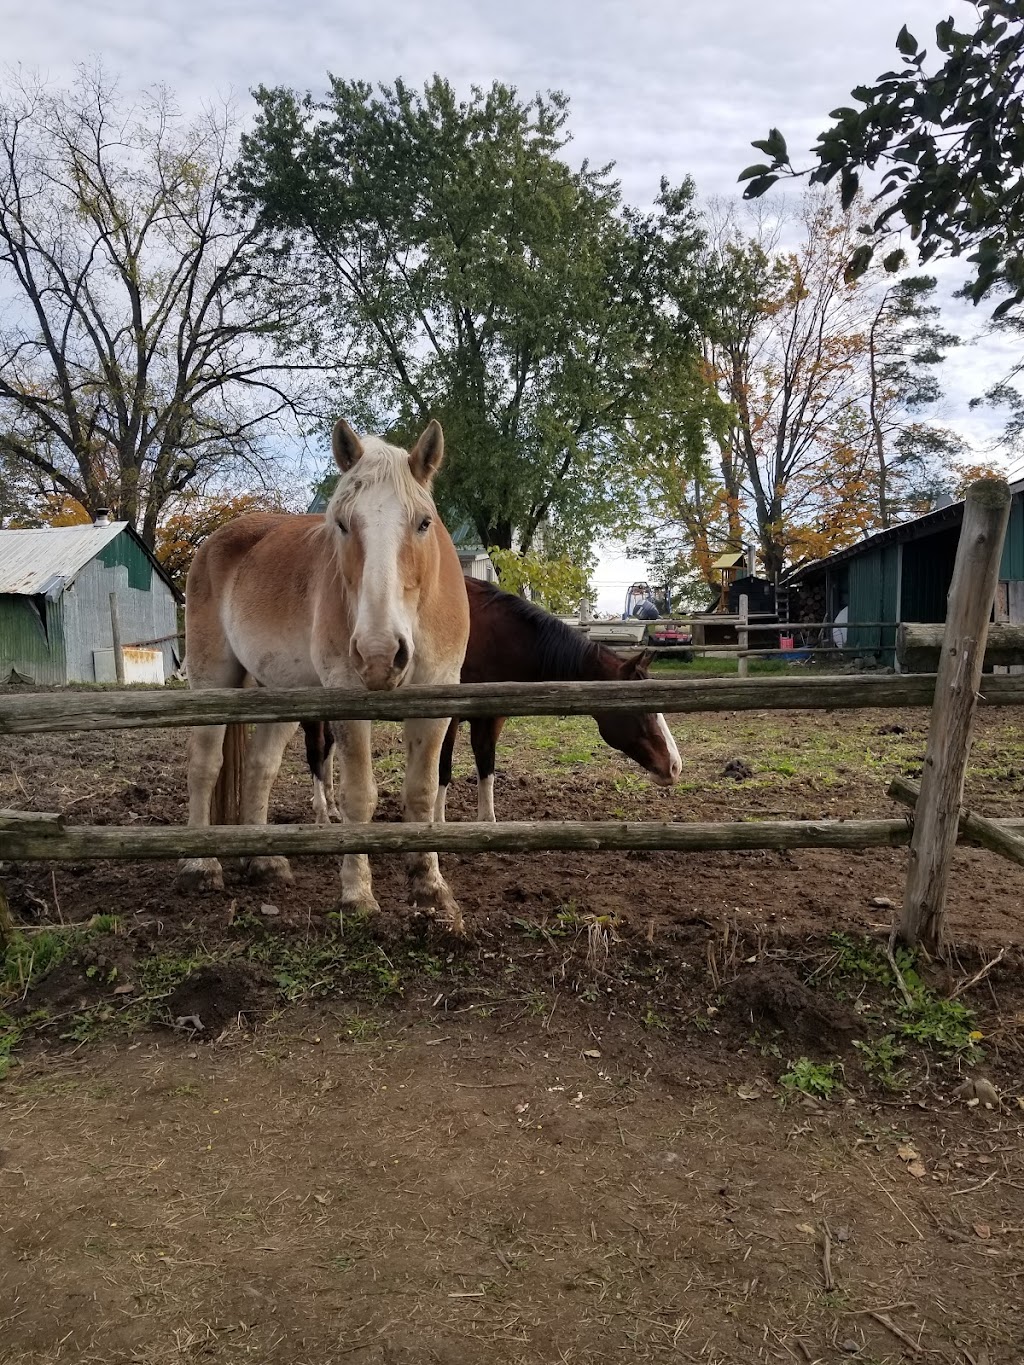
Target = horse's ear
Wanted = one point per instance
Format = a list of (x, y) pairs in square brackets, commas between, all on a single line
[(345, 445), (637, 666), (427, 454)]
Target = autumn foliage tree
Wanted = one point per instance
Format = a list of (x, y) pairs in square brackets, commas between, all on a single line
[(192, 518), (828, 383)]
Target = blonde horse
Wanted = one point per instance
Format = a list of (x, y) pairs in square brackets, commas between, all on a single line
[(370, 595)]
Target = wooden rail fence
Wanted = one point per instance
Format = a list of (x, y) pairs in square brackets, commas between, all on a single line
[(953, 693)]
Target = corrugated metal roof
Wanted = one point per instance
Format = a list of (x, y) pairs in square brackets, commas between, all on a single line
[(45, 561)]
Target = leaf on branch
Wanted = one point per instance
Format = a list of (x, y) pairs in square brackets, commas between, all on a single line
[(755, 188), (906, 43)]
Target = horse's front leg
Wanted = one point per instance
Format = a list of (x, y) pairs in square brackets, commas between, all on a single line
[(429, 890), (358, 802), (262, 764)]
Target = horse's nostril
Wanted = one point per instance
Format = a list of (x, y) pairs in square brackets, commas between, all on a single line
[(401, 655)]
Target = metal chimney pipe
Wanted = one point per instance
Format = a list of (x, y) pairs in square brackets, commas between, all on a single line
[(102, 517)]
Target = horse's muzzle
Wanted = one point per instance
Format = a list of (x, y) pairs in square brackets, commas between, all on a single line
[(383, 666)]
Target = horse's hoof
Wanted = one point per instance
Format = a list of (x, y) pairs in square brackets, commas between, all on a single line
[(197, 875), (436, 901), (267, 869), (359, 904)]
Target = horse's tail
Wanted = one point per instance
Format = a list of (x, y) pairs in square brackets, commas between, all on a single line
[(226, 801)]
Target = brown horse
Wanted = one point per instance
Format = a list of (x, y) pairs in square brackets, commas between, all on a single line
[(369, 595), (511, 640)]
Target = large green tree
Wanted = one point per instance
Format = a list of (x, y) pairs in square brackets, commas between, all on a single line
[(462, 268), (948, 143)]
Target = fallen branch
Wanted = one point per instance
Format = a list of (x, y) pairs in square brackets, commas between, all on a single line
[(908, 999), (979, 975), (897, 1332)]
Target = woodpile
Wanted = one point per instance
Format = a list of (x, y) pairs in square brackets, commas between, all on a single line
[(807, 602)]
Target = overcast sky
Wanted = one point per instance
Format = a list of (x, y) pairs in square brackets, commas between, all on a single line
[(660, 87)]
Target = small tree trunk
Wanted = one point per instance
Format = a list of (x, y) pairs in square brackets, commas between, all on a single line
[(937, 820)]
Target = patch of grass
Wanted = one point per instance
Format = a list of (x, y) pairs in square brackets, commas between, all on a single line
[(162, 973), (28, 958), (820, 1080)]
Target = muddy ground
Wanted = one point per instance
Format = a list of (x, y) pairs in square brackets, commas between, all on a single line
[(658, 1107)]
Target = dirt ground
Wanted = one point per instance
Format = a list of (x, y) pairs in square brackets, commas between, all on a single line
[(659, 1107)]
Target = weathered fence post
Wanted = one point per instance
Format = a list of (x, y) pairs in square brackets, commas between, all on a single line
[(743, 663), (115, 632), (968, 608)]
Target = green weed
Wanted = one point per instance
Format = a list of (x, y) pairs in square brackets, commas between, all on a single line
[(881, 1060), (929, 1018), (817, 1079), (88, 1025), (946, 1025)]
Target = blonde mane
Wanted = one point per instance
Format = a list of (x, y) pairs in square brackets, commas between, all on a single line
[(381, 464)]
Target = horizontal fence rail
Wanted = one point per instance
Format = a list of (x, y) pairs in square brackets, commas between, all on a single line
[(51, 712), (92, 842), (918, 646), (89, 843), (40, 713)]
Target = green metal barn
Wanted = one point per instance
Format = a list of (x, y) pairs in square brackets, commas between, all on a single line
[(904, 574), (55, 617)]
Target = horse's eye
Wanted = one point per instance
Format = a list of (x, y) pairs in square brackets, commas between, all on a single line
[(424, 525), (342, 528)]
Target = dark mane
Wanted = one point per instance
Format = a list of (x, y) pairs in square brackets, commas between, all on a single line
[(563, 654)]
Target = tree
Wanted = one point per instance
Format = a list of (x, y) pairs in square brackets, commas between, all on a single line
[(950, 146), (826, 384), (556, 583), (193, 517), (468, 272), (137, 336), (784, 349), (910, 458)]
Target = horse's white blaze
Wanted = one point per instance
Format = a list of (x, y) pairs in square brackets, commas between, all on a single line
[(380, 501), (485, 798), (675, 762), (382, 622)]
